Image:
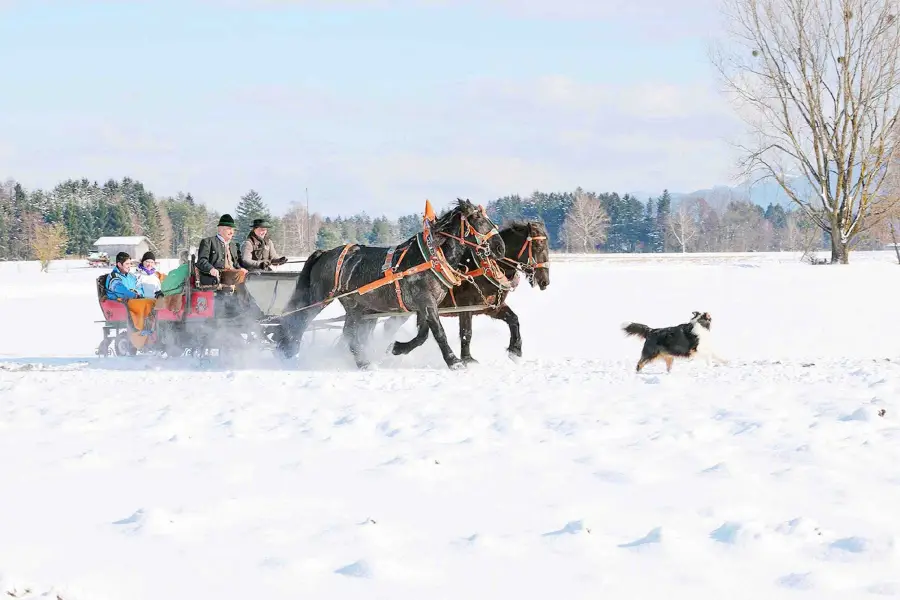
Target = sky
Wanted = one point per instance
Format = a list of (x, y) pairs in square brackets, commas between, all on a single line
[(370, 105)]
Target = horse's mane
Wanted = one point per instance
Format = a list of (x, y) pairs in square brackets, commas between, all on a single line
[(460, 206), (524, 224)]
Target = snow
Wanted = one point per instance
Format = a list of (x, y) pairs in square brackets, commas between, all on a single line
[(565, 475)]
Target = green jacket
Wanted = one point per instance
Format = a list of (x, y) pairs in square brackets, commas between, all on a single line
[(174, 281)]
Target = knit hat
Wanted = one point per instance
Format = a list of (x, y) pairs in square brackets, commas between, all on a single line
[(225, 221), (148, 256)]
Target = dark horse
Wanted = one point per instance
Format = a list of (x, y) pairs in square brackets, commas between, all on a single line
[(528, 250), (402, 278)]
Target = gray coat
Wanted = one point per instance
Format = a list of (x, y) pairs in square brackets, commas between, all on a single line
[(255, 251)]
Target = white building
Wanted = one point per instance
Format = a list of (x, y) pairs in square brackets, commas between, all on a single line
[(134, 245)]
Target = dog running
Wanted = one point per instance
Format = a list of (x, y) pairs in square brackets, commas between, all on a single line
[(678, 341)]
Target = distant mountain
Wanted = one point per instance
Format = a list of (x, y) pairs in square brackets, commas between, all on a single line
[(763, 193)]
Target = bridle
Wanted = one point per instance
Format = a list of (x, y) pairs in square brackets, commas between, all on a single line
[(466, 230), (530, 265)]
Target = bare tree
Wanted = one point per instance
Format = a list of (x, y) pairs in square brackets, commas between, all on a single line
[(585, 224), (48, 242), (682, 227), (166, 232), (817, 81), (299, 232)]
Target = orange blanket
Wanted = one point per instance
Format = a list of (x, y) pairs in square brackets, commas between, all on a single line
[(140, 309)]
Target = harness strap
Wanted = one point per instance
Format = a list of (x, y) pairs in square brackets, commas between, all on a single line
[(389, 259), (435, 261), (337, 270), (391, 277), (399, 296), (397, 290), (527, 245)]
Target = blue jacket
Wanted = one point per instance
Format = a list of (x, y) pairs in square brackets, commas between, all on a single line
[(121, 286)]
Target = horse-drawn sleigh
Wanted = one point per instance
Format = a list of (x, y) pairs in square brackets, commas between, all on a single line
[(460, 264)]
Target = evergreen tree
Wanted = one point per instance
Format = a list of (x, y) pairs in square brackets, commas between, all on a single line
[(250, 207), (329, 236), (663, 212), (383, 232), (410, 225), (776, 216)]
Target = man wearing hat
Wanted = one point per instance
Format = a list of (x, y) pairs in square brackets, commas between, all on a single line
[(218, 252), (258, 250)]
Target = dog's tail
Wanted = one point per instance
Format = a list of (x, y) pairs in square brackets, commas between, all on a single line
[(636, 329)]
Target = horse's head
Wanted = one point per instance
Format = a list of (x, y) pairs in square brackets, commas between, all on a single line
[(468, 226), (529, 249)]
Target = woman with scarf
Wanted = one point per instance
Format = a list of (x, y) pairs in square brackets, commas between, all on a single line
[(258, 250), (149, 279)]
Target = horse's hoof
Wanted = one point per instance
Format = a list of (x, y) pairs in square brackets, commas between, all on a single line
[(469, 360), (457, 366), (393, 349)]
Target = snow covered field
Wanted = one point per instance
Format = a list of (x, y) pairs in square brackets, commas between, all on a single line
[(564, 476)]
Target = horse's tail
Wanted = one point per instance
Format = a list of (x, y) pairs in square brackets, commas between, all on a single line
[(302, 293), (295, 319)]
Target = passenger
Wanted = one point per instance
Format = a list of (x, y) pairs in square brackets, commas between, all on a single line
[(258, 250), (149, 279), (121, 284), (219, 253)]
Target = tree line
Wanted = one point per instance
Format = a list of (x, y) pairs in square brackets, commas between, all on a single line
[(74, 214)]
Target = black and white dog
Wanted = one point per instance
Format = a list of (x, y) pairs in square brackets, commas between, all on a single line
[(682, 341)]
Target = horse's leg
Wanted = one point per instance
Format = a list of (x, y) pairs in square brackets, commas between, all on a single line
[(292, 329), (465, 337), (506, 314), (398, 348), (392, 325), (364, 335), (433, 319), (351, 333)]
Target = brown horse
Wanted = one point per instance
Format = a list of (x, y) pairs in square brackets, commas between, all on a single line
[(527, 250), (352, 274)]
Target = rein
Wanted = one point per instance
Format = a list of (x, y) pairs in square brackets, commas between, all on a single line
[(436, 263), (481, 239), (487, 266)]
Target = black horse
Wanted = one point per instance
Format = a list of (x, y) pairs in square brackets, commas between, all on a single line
[(527, 249), (360, 278)]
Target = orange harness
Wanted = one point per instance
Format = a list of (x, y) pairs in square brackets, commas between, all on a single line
[(527, 245), (490, 270), (436, 263)]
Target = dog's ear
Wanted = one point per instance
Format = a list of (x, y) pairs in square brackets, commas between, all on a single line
[(696, 314)]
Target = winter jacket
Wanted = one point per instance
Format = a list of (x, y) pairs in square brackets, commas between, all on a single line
[(121, 286), (148, 283), (255, 251), (211, 255)]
